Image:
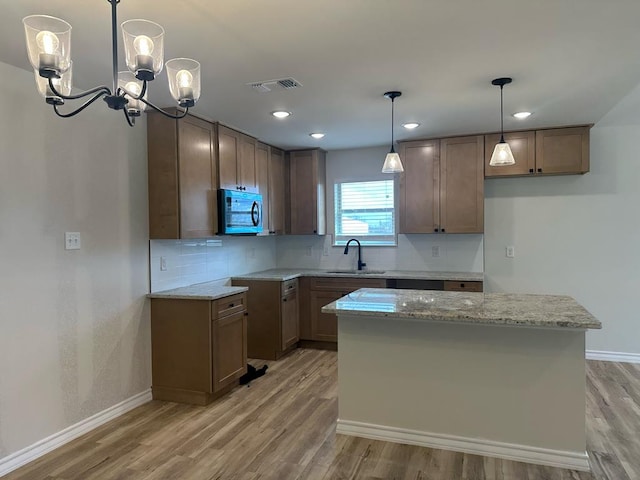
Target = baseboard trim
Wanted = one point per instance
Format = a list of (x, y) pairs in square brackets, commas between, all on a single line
[(32, 452), (613, 356), (508, 451)]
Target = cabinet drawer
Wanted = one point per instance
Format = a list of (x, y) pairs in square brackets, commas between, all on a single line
[(229, 305), (289, 286), (450, 286), (346, 284)]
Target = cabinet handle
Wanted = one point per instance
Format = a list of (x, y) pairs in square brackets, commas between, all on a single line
[(315, 231), (284, 299), (531, 170), (462, 285), (232, 305), (246, 314), (272, 232), (539, 170)]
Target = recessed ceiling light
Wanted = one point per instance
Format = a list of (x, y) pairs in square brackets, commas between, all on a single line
[(317, 136), (280, 114), (521, 115), (410, 125)]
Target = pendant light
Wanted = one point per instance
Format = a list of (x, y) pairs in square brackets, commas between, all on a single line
[(392, 163), (502, 155)]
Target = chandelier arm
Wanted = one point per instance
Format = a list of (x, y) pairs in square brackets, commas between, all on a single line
[(157, 109), (103, 89), (79, 109), (130, 120)]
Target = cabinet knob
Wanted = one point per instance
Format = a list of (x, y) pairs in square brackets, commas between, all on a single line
[(272, 232), (435, 229), (231, 305), (284, 299), (462, 285), (531, 170), (442, 230), (539, 170), (315, 231)]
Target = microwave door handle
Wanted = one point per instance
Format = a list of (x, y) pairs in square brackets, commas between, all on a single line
[(255, 214)]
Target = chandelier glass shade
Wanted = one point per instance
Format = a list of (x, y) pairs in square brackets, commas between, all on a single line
[(49, 50)]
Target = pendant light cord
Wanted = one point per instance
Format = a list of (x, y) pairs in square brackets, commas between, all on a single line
[(501, 117), (392, 146)]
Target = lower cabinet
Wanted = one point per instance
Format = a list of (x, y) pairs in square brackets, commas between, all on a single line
[(273, 328), (316, 326), (198, 347)]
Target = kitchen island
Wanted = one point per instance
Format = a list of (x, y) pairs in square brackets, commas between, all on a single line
[(493, 374)]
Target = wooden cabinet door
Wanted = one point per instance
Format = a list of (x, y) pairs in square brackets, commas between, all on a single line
[(307, 178), (276, 191), (420, 187), (562, 150), (462, 185), (247, 164), (228, 151), (289, 320), (197, 178), (229, 349), (523, 147), (324, 326), (262, 178)]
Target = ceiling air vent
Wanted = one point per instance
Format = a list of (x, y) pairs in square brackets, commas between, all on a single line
[(289, 83), (266, 86)]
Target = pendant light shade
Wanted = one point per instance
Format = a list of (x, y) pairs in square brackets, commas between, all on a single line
[(502, 155), (392, 163)]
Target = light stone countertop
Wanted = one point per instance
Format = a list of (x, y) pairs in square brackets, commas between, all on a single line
[(199, 291), (283, 274), (548, 311)]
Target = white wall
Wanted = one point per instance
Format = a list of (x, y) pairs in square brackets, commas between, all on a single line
[(196, 261), (577, 235), (414, 252), (74, 325)]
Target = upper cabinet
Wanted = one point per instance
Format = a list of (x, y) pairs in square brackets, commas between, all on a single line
[(442, 188), (237, 159), (307, 172), (557, 151), (278, 182), (262, 179), (182, 177)]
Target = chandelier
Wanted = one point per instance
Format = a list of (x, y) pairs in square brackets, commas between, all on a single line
[(49, 48)]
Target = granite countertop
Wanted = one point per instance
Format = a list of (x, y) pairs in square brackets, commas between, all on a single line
[(548, 311), (199, 291), (281, 275)]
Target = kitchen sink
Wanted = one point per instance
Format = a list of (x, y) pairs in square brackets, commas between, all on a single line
[(358, 272)]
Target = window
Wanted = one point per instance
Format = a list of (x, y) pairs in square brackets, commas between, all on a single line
[(365, 210)]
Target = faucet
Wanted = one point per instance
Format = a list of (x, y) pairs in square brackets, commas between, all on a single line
[(346, 250)]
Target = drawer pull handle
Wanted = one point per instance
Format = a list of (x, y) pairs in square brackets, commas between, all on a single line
[(462, 285), (231, 305)]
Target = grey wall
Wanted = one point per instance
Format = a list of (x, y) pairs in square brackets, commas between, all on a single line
[(577, 235), (74, 325)]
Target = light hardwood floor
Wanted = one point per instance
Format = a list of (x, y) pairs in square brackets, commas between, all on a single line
[(283, 427)]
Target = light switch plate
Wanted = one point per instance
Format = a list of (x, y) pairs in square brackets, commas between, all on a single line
[(510, 251), (72, 241)]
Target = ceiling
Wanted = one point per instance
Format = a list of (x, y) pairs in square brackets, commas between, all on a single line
[(571, 61)]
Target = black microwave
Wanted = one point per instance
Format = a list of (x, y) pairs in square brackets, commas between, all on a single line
[(239, 213)]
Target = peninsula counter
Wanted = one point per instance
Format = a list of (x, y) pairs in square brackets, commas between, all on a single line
[(500, 375)]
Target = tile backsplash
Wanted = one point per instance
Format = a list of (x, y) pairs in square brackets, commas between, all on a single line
[(202, 260), (457, 253)]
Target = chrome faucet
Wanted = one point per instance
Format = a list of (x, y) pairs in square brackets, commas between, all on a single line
[(346, 251)]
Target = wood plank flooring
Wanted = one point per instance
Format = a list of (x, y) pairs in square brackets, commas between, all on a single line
[(283, 427)]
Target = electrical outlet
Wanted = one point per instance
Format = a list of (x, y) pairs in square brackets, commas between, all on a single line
[(72, 241), (435, 251), (510, 251), (163, 264), (308, 251)]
